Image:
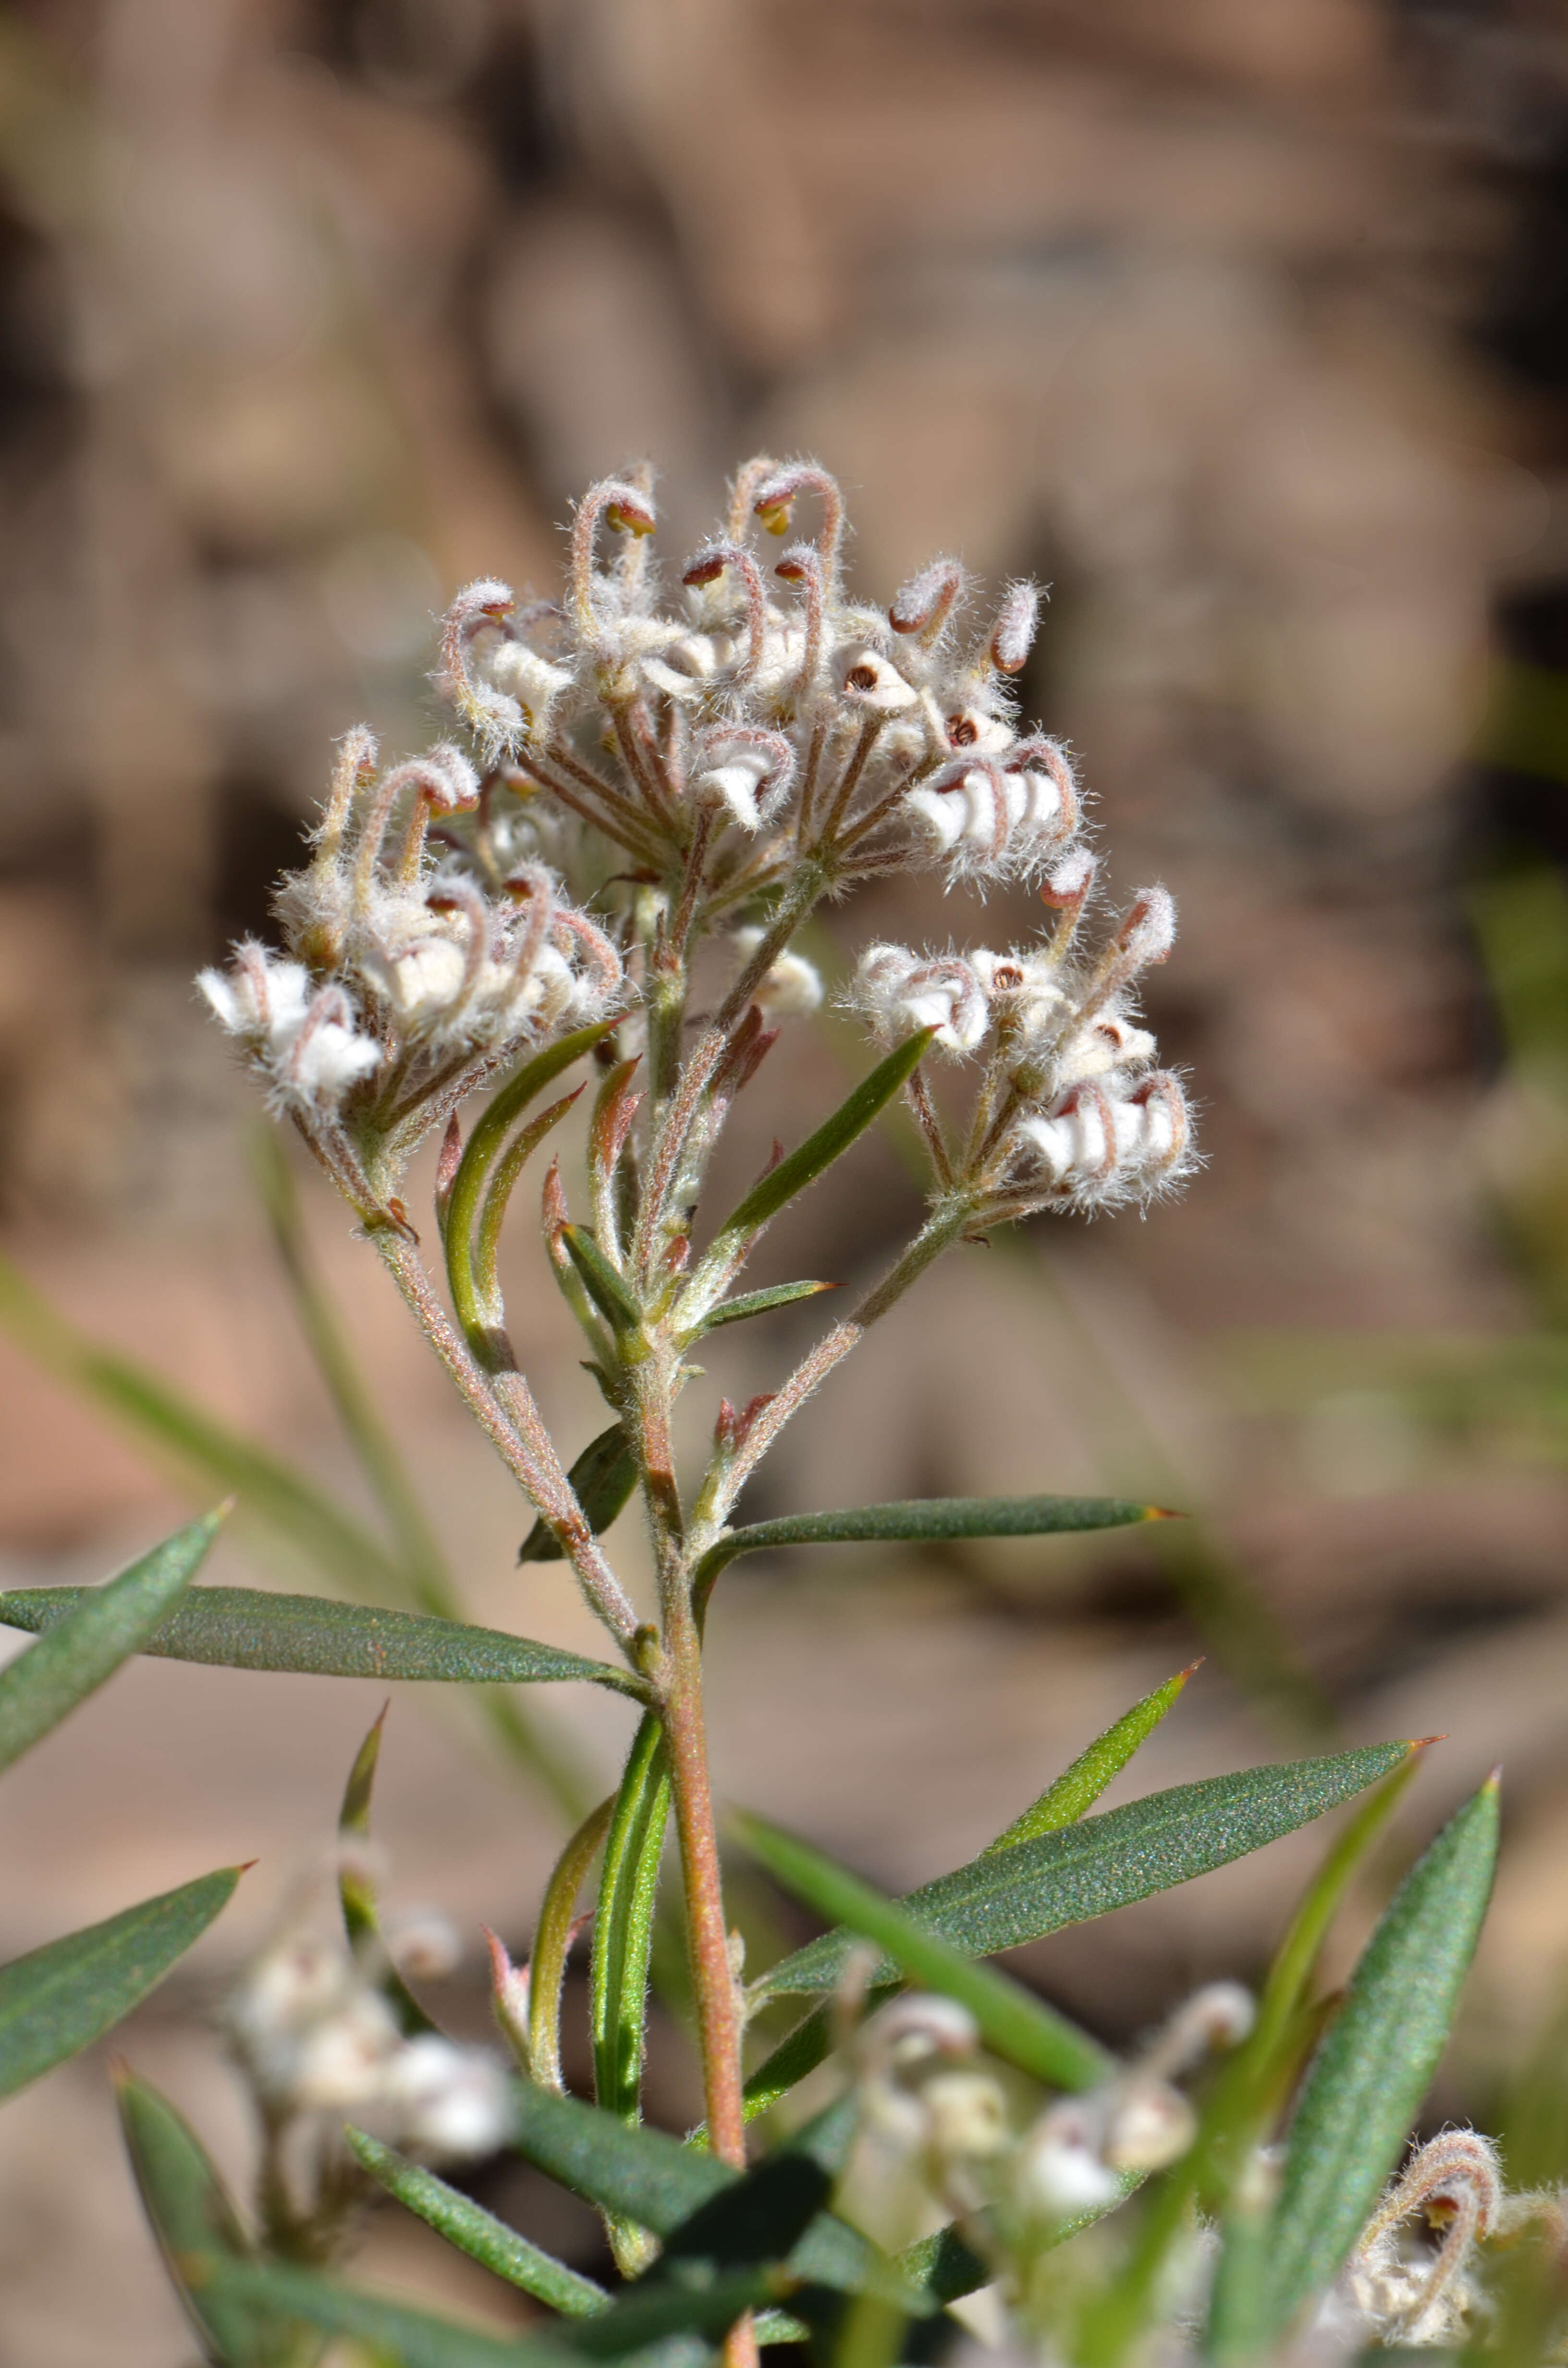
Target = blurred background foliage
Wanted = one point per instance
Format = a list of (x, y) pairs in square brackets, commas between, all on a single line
[(1245, 326)]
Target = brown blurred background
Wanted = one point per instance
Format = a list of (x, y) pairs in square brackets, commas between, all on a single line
[(1245, 326)]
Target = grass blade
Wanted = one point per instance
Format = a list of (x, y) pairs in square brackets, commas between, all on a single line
[(477, 2231), (1376, 2062), (1014, 2024), (106, 1626), (195, 2223), (198, 1448), (58, 1999), (1077, 1789), (604, 1477), (250, 1628), (1000, 1901)]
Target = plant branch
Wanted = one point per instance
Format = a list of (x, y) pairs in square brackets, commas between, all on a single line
[(503, 1405)]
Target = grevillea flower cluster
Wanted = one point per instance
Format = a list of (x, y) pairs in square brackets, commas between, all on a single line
[(655, 760)]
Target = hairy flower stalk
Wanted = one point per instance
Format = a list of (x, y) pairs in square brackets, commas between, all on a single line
[(653, 762)]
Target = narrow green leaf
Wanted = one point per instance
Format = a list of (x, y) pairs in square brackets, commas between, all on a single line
[(552, 1944), (1061, 1803), (830, 1141), (761, 2218), (604, 1477), (759, 1302), (106, 1627), (400, 2337), (480, 1154), (194, 2221), (929, 1518), (603, 1285), (623, 1925), (1085, 1869), (1242, 2102), (1014, 2024), (58, 1999), (1077, 1789), (357, 1889), (477, 2231), (642, 2177), (800, 2052), (639, 2174), (250, 1628), (1376, 2062), (183, 1433), (946, 2266), (493, 1216), (653, 2310)]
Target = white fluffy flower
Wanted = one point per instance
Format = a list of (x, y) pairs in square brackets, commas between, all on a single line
[(449, 2100), (735, 786), (868, 680), (1099, 1144), (991, 820), (791, 990), (535, 683), (1059, 2170), (901, 991), (263, 1000)]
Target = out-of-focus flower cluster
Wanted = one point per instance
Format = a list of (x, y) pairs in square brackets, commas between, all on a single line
[(318, 2031), (705, 758), (938, 2139), (936, 2128)]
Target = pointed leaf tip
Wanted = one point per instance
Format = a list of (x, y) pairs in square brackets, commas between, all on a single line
[(1163, 1513)]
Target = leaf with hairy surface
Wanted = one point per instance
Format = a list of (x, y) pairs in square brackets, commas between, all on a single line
[(1013, 2023), (477, 2231), (249, 1628), (195, 2223), (1001, 1900), (1377, 2060), (58, 1999), (105, 1627)]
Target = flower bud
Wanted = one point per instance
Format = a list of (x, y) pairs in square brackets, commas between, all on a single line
[(1059, 2170), (1148, 2125), (1012, 636), (925, 602)]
